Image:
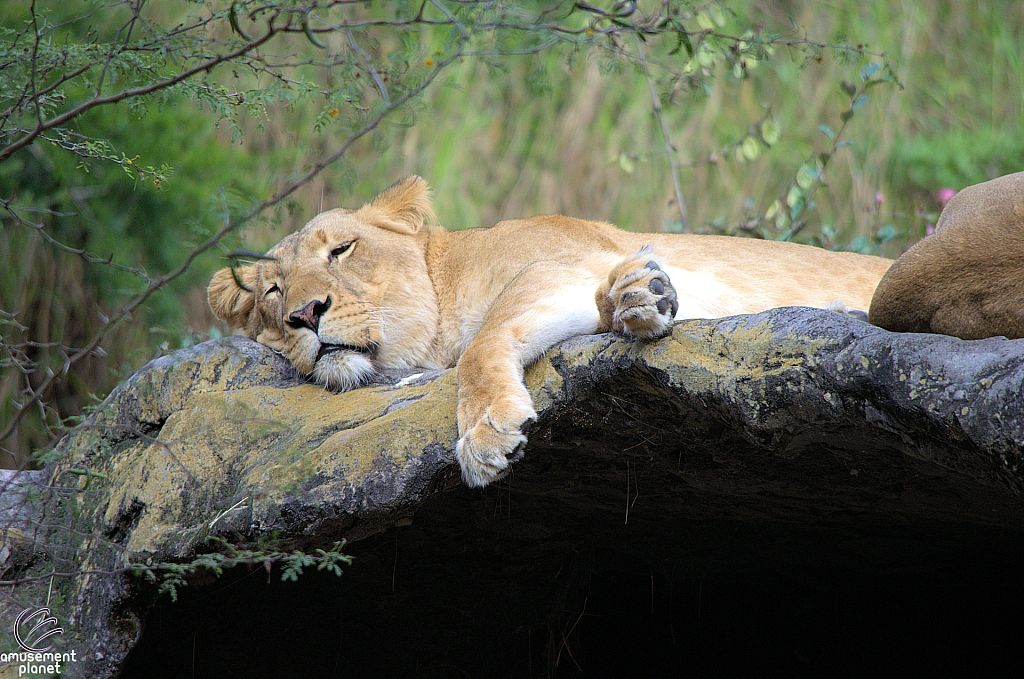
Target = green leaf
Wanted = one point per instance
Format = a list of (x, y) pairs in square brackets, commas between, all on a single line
[(796, 209), (683, 41), (781, 220), (233, 20), (717, 15), (860, 244), (770, 132), (846, 115), (849, 88), (805, 177), (704, 21), (309, 34), (827, 131), (626, 163), (751, 149), (887, 233), (860, 101), (795, 194), (868, 71)]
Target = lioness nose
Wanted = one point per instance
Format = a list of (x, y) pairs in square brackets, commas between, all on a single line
[(309, 315)]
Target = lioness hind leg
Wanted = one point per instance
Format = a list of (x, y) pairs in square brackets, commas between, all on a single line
[(638, 298)]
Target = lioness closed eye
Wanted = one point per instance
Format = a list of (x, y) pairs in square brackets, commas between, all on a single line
[(380, 287)]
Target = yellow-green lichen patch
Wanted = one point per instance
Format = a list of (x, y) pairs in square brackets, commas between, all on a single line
[(702, 353), (544, 383), (584, 353), (344, 436), (163, 389), (267, 443), (194, 452)]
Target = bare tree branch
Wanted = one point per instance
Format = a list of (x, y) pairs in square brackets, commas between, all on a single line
[(63, 118)]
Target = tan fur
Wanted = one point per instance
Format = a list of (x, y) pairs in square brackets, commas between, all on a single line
[(965, 279), (491, 301)]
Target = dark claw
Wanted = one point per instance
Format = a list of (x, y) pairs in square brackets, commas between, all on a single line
[(662, 305), (675, 308), (657, 287), (517, 454), (653, 266)]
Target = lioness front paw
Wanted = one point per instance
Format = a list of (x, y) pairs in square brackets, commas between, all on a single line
[(640, 297), (491, 441)]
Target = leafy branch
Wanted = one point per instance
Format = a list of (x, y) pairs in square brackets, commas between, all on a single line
[(810, 176), (171, 576)]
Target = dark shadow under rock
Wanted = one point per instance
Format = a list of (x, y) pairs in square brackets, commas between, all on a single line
[(544, 576)]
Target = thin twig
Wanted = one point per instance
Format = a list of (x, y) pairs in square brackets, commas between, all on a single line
[(369, 66), (670, 150)]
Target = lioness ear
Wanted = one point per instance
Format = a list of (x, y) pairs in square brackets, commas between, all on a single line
[(402, 208), (230, 302)]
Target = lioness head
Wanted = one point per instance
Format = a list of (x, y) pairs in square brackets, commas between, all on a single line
[(345, 294)]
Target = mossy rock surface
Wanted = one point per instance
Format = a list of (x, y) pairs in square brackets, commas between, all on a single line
[(788, 421)]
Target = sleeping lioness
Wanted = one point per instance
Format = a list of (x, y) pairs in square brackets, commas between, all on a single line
[(379, 287)]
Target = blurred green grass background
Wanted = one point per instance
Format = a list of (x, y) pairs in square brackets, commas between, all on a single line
[(559, 132)]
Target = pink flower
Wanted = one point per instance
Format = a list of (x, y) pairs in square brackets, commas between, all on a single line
[(946, 194), (879, 197), (929, 228)]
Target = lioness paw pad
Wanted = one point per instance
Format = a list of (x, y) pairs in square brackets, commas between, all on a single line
[(643, 298)]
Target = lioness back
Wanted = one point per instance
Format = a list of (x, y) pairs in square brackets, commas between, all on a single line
[(721, 275)]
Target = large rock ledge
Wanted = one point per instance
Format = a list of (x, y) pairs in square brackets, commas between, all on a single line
[(826, 458)]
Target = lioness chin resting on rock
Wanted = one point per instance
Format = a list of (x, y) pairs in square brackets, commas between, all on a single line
[(380, 287)]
